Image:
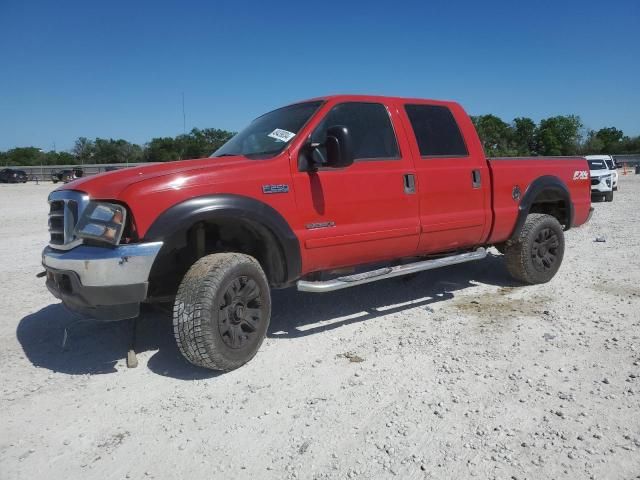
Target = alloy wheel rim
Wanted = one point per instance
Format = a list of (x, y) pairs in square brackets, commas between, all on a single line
[(544, 251), (240, 312)]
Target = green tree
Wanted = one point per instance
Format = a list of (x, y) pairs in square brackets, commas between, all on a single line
[(24, 156), (592, 144), (60, 158), (496, 135), (162, 149), (195, 144), (115, 151), (630, 145), (83, 149), (559, 135), (524, 135), (611, 139)]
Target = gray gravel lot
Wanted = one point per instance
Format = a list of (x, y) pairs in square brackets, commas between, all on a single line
[(455, 373)]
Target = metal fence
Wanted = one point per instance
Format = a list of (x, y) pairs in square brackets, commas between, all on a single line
[(629, 160), (43, 172)]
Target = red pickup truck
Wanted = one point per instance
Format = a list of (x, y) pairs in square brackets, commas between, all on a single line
[(323, 194)]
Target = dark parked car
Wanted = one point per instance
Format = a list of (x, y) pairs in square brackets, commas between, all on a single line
[(66, 175), (9, 175)]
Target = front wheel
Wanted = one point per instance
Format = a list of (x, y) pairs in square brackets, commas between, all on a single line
[(536, 255), (608, 197), (222, 311)]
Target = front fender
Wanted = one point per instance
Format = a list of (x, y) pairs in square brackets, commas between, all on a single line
[(181, 217)]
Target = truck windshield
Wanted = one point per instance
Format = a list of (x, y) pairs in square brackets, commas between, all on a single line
[(597, 165), (269, 134)]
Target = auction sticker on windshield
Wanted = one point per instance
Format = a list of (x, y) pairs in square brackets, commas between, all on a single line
[(282, 135)]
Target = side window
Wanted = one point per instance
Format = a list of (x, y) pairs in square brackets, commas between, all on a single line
[(436, 131), (370, 128)]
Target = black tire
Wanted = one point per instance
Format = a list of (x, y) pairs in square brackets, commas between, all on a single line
[(501, 247), (608, 197), (537, 254), (222, 311)]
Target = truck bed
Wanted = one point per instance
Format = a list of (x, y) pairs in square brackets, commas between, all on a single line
[(509, 174)]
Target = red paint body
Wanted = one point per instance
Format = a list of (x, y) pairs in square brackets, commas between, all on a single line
[(374, 218)]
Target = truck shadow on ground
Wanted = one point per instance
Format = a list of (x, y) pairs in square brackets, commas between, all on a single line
[(99, 348), (297, 314)]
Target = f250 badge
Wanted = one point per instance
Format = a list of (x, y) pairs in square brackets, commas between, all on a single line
[(278, 188), (580, 175)]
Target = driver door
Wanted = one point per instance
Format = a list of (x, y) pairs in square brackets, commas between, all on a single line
[(368, 211)]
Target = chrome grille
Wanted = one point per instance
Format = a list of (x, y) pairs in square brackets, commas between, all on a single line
[(65, 208)]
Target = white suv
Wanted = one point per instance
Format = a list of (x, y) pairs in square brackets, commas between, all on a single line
[(601, 177), (612, 167)]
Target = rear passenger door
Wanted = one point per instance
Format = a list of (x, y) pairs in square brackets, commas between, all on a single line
[(453, 184), (365, 212)]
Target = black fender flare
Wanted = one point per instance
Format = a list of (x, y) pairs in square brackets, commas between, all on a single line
[(184, 215), (548, 185)]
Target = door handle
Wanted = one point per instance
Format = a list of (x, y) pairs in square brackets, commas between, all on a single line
[(409, 183), (475, 179)]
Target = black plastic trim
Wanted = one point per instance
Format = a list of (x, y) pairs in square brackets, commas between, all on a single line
[(182, 216), (539, 185), (108, 303)]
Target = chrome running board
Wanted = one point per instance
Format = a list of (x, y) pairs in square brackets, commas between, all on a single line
[(389, 272)]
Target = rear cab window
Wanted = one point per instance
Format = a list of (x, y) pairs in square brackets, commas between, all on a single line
[(436, 131)]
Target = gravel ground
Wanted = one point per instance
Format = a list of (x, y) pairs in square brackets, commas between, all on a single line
[(455, 373)]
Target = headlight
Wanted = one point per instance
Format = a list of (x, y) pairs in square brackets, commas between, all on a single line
[(102, 221)]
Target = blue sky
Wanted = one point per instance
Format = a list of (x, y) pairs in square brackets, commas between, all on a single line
[(118, 68)]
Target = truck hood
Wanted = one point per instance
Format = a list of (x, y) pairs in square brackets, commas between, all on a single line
[(599, 173), (110, 185)]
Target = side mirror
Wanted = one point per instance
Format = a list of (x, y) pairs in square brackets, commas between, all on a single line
[(339, 147)]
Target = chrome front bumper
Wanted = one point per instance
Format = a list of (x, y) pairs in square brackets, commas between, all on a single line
[(101, 282)]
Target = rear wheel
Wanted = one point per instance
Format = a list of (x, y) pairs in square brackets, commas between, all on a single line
[(222, 311), (536, 255)]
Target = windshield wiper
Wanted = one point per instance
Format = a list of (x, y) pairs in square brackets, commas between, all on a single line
[(260, 154)]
